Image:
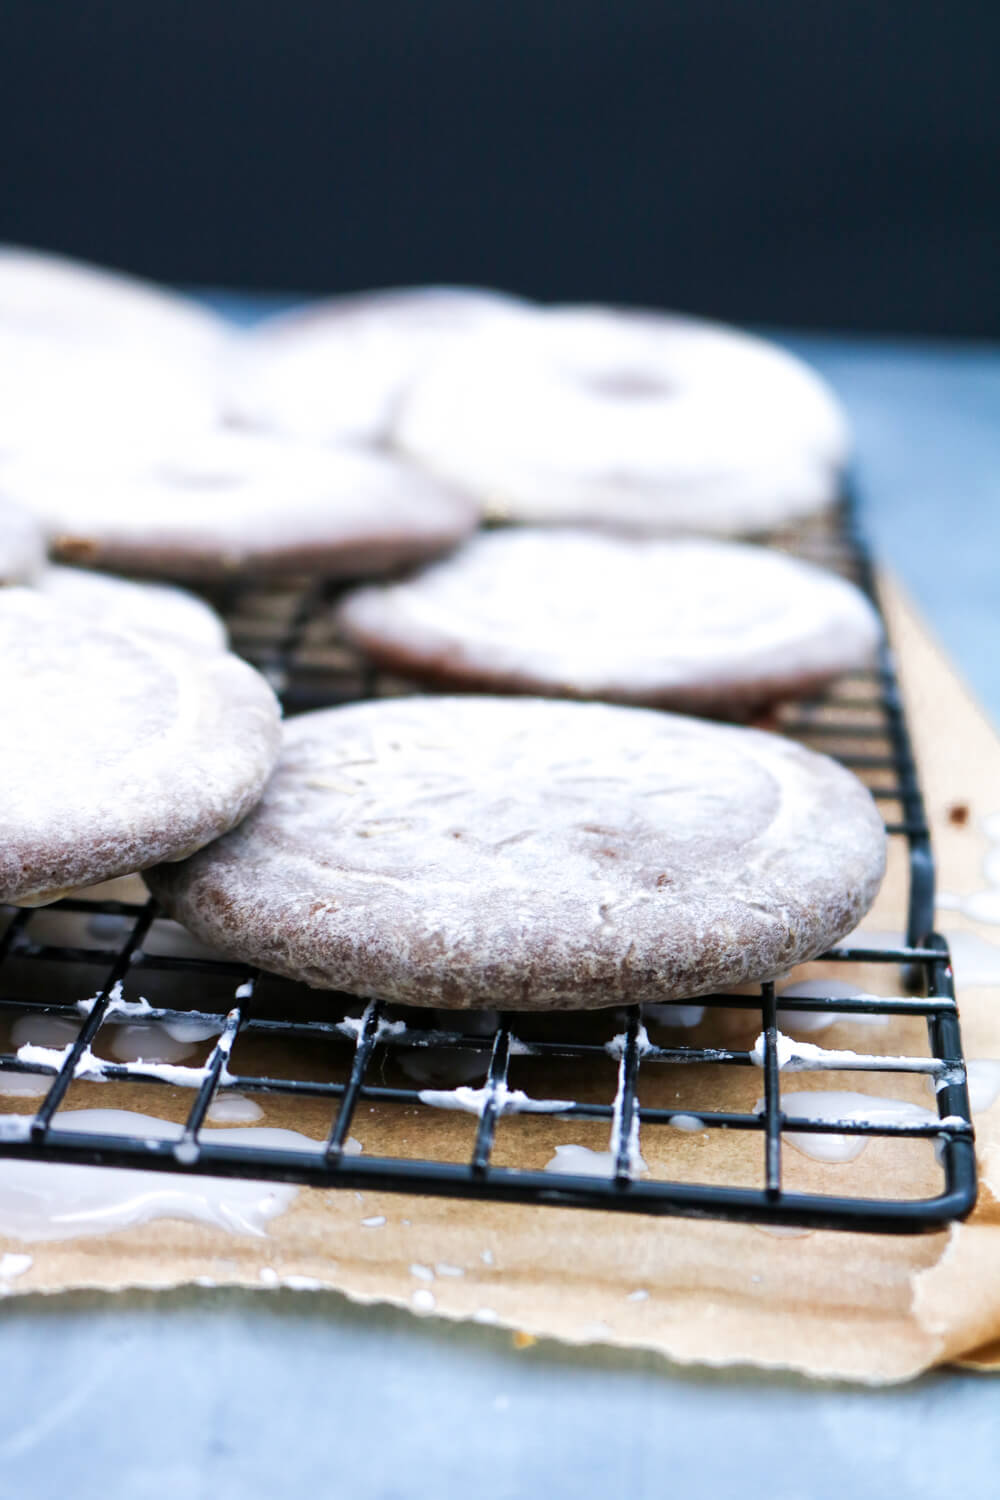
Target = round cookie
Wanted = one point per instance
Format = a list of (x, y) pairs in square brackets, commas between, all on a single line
[(335, 370), (53, 296), (147, 608), (22, 545), (122, 750), (710, 627), (90, 358), (529, 854), (230, 503), (653, 423)]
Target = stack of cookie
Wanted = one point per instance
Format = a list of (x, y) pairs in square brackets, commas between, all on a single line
[(585, 831)]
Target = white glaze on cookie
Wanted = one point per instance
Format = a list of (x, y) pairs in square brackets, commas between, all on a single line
[(336, 370), (117, 750), (53, 296), (649, 422), (89, 357), (698, 625), (22, 545), (149, 608), (466, 852), (225, 503)]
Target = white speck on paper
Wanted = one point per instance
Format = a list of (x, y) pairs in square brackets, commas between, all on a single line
[(639, 1295), (422, 1273), (12, 1265), (375, 1222), (423, 1300), (984, 1083)]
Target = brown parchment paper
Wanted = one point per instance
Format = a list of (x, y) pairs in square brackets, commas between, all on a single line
[(856, 1306)]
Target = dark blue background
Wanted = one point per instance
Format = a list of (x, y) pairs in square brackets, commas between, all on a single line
[(824, 162)]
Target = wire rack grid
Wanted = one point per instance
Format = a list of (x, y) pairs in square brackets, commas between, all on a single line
[(617, 1074)]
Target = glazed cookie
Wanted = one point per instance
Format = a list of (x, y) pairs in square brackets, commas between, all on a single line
[(231, 503), (336, 370), (147, 608), (22, 545), (120, 750), (529, 854), (90, 357), (701, 626), (641, 421), (52, 296)]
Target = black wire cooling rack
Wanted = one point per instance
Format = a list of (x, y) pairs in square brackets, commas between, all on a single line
[(625, 1078)]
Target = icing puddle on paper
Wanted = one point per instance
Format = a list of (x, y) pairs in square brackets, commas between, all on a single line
[(52, 1201), (234, 1109), (834, 1105), (580, 1161), (976, 959), (829, 989), (57, 1201), (983, 1074), (984, 905), (673, 1015)]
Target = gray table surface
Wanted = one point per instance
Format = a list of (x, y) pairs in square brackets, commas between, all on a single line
[(232, 1394)]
